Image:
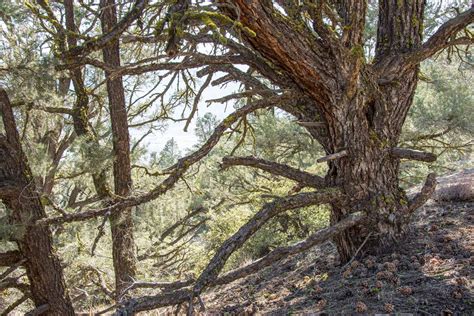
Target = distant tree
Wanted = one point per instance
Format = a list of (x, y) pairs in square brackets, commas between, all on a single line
[(169, 155)]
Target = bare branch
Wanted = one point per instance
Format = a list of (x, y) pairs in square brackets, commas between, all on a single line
[(175, 172), (443, 37), (425, 193), (283, 252), (267, 212), (311, 124), (14, 305), (10, 258), (209, 276), (38, 310), (405, 153), (275, 168), (12, 268), (334, 156)]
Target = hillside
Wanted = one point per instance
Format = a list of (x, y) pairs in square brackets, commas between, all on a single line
[(431, 273)]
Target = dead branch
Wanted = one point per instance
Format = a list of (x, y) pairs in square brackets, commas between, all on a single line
[(267, 212), (334, 156), (183, 295), (175, 172), (12, 268), (311, 124), (275, 168), (426, 191), (405, 153), (14, 305), (10, 258), (283, 252), (39, 310)]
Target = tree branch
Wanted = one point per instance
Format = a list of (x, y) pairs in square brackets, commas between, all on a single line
[(99, 43), (275, 168), (283, 252), (267, 212), (209, 276), (405, 153), (10, 258), (443, 37), (175, 172), (420, 198)]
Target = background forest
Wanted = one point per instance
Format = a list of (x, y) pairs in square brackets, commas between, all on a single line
[(61, 105)]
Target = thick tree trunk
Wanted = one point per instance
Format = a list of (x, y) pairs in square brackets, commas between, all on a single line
[(19, 194), (362, 111), (369, 176), (367, 127), (124, 255)]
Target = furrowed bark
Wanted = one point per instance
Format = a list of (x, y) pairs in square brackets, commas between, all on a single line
[(43, 268), (121, 222), (362, 111)]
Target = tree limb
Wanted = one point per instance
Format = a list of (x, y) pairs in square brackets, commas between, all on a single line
[(443, 37), (267, 212), (10, 258), (275, 168), (209, 276), (283, 252), (405, 153), (175, 172), (420, 198)]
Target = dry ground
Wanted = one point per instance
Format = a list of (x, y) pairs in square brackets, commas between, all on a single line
[(431, 272)]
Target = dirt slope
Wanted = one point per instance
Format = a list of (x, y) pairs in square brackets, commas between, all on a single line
[(430, 273)]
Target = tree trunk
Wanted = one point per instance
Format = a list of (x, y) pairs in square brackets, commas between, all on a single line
[(369, 176), (368, 125), (361, 105), (19, 194), (121, 222)]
